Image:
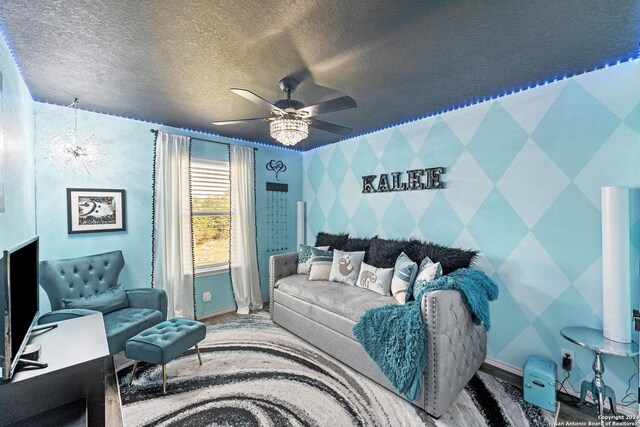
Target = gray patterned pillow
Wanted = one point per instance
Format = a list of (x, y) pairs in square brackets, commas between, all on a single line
[(346, 266), (375, 279), (304, 257)]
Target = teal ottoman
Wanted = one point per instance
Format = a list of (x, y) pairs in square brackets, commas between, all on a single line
[(162, 343)]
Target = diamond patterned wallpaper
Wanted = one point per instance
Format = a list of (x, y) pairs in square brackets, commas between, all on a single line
[(523, 185)]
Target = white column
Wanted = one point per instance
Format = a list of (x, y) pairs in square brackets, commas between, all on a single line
[(300, 209), (616, 264)]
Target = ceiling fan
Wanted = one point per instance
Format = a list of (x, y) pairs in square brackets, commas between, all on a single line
[(290, 119)]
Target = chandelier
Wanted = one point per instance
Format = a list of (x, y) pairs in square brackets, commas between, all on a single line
[(288, 131), (75, 150)]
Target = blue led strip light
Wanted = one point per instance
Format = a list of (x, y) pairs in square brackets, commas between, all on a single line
[(15, 60), (463, 104), (197, 131), (479, 100)]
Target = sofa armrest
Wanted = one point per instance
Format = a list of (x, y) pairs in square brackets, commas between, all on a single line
[(65, 314), (148, 298), (456, 347), (280, 266)]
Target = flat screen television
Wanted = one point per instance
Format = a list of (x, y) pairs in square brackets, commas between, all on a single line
[(19, 283)]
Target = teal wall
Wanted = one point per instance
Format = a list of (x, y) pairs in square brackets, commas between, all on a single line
[(17, 223), (126, 148), (523, 186), (127, 161)]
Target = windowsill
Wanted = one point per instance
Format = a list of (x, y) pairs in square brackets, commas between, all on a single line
[(210, 271)]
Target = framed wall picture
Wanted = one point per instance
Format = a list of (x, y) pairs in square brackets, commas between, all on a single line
[(91, 210)]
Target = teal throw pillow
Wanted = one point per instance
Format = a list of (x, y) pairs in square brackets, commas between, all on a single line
[(404, 273), (110, 300), (304, 257)]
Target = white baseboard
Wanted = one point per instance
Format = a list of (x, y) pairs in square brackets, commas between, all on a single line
[(519, 372), (216, 313), (223, 311), (504, 366)]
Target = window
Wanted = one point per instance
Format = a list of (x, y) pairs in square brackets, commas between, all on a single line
[(211, 214)]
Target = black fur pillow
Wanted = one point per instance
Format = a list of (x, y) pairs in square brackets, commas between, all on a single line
[(356, 244), (334, 241), (383, 253), (450, 259)]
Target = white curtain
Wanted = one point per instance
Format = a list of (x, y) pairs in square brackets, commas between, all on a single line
[(244, 259), (172, 248)]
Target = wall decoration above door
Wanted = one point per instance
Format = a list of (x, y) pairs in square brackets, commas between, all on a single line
[(276, 166), (92, 210)]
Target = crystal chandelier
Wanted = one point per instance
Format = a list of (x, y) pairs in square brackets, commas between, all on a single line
[(289, 131), (75, 150)]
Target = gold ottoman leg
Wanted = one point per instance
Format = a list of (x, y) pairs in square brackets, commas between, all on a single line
[(135, 365), (198, 351), (164, 379)]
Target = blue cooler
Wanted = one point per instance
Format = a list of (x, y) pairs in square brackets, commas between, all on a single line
[(539, 380)]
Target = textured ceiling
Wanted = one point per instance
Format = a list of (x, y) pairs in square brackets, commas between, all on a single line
[(174, 62)]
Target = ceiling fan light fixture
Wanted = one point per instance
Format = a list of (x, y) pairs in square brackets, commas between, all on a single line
[(289, 131)]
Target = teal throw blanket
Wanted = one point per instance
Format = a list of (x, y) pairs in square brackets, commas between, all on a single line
[(393, 335)]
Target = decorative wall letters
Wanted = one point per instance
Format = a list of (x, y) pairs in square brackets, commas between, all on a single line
[(417, 179)]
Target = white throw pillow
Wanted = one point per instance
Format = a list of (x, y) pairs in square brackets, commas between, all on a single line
[(375, 279), (346, 266), (427, 273)]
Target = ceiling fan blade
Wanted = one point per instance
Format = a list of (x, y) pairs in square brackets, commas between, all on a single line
[(234, 122), (329, 127), (336, 104), (255, 98)]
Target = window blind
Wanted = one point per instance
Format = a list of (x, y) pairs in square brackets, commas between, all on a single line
[(211, 220)]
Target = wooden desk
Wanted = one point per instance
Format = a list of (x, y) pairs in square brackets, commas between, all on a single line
[(76, 352)]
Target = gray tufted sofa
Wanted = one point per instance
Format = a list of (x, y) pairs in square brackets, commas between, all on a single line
[(323, 314), (91, 276)]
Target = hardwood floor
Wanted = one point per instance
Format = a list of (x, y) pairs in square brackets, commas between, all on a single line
[(222, 318), (113, 408), (568, 414)]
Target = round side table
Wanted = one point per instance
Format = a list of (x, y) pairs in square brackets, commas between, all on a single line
[(593, 340)]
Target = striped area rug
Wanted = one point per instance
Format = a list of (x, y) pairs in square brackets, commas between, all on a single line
[(255, 373)]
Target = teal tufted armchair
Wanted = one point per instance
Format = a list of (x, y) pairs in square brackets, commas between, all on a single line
[(89, 285)]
